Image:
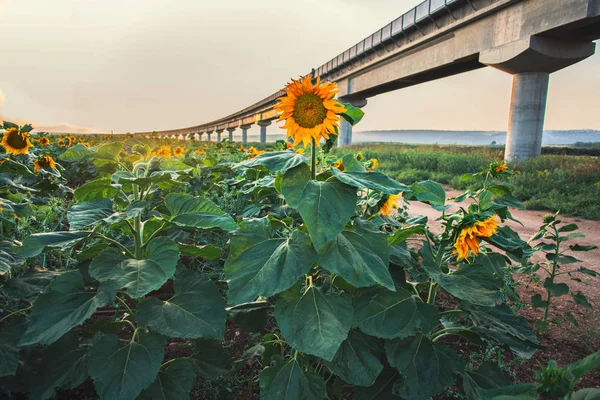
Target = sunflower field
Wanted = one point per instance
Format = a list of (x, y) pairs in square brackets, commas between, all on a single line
[(145, 268)]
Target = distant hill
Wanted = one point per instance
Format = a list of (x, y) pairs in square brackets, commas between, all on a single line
[(551, 137)]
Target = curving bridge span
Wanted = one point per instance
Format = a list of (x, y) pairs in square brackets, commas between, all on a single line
[(529, 39)]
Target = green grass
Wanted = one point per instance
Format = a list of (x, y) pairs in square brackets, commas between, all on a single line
[(551, 182)]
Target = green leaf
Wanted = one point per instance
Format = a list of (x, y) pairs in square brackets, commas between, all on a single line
[(267, 267), (208, 252), (370, 180), (173, 383), (121, 372), (30, 284), (557, 289), (537, 301), (210, 360), (66, 304), (289, 381), (581, 300), (385, 314), (587, 271), (487, 376), (35, 244), (427, 368), (251, 317), (502, 327), (509, 200), (471, 282), (576, 235), (568, 228), (581, 367), (10, 335), (109, 151), (576, 247), (525, 391), (96, 190), (357, 360), (313, 322), (382, 389), (89, 213), (9, 259), (197, 212), (360, 256), (195, 310), (431, 193), (76, 153), (562, 259), (138, 277), (586, 394), (65, 366), (276, 161), (352, 114), (325, 207), (402, 234)]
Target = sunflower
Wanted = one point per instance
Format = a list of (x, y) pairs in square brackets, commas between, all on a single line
[(68, 142), (178, 151), (374, 163), (254, 152), (501, 168), (16, 142), (44, 141), (310, 111), (339, 165), (60, 143), (86, 145), (72, 138), (240, 148), (164, 151), (200, 151), (44, 163), (391, 203), (468, 238)]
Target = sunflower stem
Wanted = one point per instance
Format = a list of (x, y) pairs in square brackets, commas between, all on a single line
[(314, 159)]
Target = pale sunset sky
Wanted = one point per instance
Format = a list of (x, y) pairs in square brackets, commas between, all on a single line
[(142, 65)]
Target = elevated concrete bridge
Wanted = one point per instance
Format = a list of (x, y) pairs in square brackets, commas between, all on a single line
[(529, 39)]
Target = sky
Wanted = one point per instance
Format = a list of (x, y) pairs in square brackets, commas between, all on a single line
[(142, 65)]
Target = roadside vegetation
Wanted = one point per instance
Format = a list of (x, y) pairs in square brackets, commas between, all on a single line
[(554, 181)]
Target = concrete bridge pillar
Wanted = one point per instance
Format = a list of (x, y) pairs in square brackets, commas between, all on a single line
[(345, 136), (219, 135), (263, 130), (531, 61), (230, 130), (245, 133), (208, 136)]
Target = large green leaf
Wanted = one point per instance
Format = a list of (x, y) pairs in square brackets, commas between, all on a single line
[(357, 360), (30, 284), (138, 277), (289, 381), (524, 391), (210, 360), (66, 304), (121, 372), (197, 212), (195, 310), (501, 326), (325, 207), (426, 368), (431, 193), (268, 267), (352, 115), (382, 389), (276, 161), (208, 252), (251, 317), (10, 335), (313, 322), (35, 244), (471, 282), (389, 315), (9, 258), (96, 190), (586, 394), (89, 213), (360, 256), (487, 376), (370, 180), (109, 151), (76, 153), (173, 383), (64, 366), (581, 367)]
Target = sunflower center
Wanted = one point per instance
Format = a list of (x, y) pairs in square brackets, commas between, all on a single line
[(309, 111), (17, 140)]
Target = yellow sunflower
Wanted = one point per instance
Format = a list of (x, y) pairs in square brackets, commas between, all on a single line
[(16, 142), (468, 238), (44, 141), (164, 151), (178, 151), (60, 143), (310, 111), (44, 162), (391, 203), (339, 165), (501, 168), (374, 163)]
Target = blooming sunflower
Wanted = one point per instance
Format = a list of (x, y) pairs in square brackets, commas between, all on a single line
[(339, 165), (16, 142), (468, 238), (44, 163), (391, 203), (501, 168), (310, 111), (178, 151), (44, 141), (60, 143), (200, 151), (164, 151), (374, 163)]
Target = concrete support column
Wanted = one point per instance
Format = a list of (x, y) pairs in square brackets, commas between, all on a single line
[(263, 130), (345, 136), (219, 136), (245, 133), (526, 118), (208, 136), (230, 130)]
